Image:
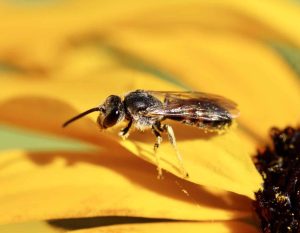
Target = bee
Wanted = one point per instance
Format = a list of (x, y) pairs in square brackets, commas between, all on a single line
[(144, 109)]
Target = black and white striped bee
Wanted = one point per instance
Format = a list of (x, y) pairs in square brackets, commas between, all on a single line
[(148, 109)]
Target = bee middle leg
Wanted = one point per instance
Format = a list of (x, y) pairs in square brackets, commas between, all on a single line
[(156, 146), (169, 130)]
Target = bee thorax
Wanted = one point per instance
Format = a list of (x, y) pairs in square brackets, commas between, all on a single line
[(142, 123)]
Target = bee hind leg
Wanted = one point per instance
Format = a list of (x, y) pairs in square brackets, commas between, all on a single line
[(172, 140), (156, 146), (124, 133)]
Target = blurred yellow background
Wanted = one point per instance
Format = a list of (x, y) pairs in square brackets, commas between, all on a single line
[(78, 52)]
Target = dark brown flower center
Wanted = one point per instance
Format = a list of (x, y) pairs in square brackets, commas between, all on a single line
[(278, 203)]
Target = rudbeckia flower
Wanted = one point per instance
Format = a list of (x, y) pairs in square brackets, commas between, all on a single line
[(59, 59)]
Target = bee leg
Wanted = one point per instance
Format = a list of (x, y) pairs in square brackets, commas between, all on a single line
[(124, 133), (172, 140), (156, 146)]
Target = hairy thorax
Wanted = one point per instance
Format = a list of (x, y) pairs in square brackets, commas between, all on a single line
[(136, 105)]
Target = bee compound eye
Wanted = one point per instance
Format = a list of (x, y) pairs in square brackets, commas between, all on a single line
[(114, 112), (112, 118)]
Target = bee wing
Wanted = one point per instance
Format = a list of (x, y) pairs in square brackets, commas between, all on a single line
[(181, 95), (194, 105)]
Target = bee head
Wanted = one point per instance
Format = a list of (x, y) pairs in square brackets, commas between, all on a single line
[(112, 112)]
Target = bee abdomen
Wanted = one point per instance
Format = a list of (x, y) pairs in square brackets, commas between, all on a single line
[(216, 125), (208, 125)]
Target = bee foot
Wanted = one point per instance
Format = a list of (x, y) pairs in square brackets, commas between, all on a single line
[(123, 136), (185, 175)]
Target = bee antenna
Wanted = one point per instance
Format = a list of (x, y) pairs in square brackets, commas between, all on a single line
[(81, 115)]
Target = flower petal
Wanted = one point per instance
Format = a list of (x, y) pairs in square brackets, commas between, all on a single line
[(219, 161), (242, 69), (220, 227), (37, 105), (45, 104), (38, 44), (29, 227), (54, 185), (35, 44)]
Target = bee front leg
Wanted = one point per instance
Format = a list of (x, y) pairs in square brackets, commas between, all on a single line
[(124, 133), (156, 146), (172, 140)]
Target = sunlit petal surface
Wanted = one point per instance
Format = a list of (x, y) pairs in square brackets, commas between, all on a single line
[(220, 227), (59, 58), (29, 227), (222, 159), (53, 185), (248, 71)]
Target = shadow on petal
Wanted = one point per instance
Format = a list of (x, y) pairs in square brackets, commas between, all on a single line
[(130, 224), (84, 223), (144, 174), (47, 115)]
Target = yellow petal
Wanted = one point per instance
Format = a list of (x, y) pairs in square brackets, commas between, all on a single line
[(45, 104), (222, 160), (167, 227), (37, 105), (24, 102), (32, 43), (54, 185), (38, 35), (227, 17), (247, 71), (213, 161), (29, 227)]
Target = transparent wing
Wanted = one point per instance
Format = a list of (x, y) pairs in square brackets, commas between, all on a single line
[(193, 105)]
